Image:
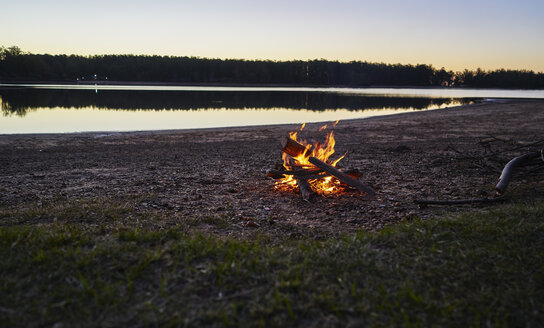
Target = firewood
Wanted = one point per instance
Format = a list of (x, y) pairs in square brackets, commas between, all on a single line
[(354, 173), (306, 191), (314, 176), (275, 174), (297, 173), (342, 176), (292, 147), (508, 170)]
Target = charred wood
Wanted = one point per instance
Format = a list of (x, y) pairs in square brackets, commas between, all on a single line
[(297, 173), (306, 191), (291, 147), (342, 176), (314, 176)]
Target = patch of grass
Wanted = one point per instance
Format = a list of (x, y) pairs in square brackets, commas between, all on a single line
[(477, 269), (79, 211)]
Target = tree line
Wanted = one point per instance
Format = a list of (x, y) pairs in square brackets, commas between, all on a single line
[(16, 65)]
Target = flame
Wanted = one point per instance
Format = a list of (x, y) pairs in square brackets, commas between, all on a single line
[(321, 151)]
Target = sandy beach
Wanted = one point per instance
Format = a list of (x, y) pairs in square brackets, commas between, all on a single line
[(219, 175)]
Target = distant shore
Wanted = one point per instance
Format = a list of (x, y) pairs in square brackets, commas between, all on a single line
[(252, 85)]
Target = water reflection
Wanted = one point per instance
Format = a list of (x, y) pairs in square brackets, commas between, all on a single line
[(21, 101), (57, 110)]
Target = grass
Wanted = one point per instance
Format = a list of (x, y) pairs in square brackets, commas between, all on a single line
[(476, 269)]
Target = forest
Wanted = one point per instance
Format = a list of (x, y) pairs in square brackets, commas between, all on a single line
[(19, 66)]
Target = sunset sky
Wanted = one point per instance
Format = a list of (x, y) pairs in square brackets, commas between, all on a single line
[(452, 34)]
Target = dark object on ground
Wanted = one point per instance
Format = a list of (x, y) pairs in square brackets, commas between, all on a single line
[(401, 149), (508, 170), (306, 191), (424, 202)]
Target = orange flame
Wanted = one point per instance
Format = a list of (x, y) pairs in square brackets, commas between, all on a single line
[(321, 151)]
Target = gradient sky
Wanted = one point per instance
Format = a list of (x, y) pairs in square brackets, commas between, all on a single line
[(452, 34)]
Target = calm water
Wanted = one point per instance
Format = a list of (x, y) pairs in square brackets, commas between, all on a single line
[(78, 108)]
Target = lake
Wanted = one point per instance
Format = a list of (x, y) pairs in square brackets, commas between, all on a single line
[(28, 108)]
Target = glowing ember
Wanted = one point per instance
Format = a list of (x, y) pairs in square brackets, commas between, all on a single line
[(321, 151)]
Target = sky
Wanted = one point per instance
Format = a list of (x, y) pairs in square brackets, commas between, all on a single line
[(455, 34)]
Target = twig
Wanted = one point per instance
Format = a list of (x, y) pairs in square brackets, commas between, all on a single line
[(458, 201), (538, 168)]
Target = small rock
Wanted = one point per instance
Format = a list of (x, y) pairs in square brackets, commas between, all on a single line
[(252, 224)]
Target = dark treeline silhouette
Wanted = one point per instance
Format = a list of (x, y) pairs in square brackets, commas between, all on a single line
[(18, 101), (15, 65)]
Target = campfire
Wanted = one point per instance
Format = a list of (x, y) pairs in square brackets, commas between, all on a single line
[(309, 168)]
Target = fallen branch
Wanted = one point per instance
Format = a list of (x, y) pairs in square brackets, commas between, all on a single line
[(508, 170), (342, 176), (458, 201)]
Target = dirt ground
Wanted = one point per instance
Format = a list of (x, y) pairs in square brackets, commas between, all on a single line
[(220, 174)]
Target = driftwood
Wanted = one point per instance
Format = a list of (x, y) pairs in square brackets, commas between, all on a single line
[(342, 176), (501, 186), (458, 201), (508, 170)]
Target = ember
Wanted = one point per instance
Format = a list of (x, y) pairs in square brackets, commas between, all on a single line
[(309, 167)]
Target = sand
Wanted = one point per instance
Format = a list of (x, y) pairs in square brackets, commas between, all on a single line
[(216, 178)]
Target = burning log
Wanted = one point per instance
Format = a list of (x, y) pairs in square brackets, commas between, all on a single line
[(309, 174), (508, 170), (292, 147), (342, 176), (278, 174), (300, 168)]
